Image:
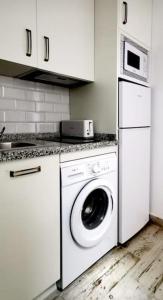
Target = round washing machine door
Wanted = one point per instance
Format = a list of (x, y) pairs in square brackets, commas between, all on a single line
[(92, 213)]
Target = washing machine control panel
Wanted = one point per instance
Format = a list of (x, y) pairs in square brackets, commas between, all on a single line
[(98, 167), (88, 168)]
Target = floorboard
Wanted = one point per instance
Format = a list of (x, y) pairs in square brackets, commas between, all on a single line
[(133, 271)]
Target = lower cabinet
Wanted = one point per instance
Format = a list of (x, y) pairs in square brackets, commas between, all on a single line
[(29, 227)]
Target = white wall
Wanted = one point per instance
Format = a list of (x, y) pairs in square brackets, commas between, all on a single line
[(157, 111), (32, 107), (97, 100)]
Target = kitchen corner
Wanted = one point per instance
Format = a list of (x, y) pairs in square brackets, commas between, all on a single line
[(81, 214)]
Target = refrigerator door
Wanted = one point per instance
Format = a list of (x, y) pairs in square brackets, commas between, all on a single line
[(134, 181), (134, 105)]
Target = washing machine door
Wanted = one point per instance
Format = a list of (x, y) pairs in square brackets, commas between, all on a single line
[(92, 213)]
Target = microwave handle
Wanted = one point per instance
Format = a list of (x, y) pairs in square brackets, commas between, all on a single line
[(125, 4)]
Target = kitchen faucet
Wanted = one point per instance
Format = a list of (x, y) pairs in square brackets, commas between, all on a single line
[(2, 132)]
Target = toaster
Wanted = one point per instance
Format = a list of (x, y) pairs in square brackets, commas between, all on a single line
[(77, 128)]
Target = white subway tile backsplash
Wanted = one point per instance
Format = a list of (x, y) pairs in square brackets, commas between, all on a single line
[(62, 108), (25, 127), (25, 105), (32, 107), (51, 97), (65, 116), (56, 127), (2, 116), (7, 104), (10, 127), (44, 107), (14, 93), (53, 117), (35, 96), (46, 127), (14, 116), (23, 84), (1, 91), (65, 97), (65, 108), (35, 117), (57, 108)]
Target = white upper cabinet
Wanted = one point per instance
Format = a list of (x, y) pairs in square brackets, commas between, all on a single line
[(18, 31), (52, 35), (135, 19), (66, 37)]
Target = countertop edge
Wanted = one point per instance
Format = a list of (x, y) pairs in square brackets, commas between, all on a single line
[(52, 148)]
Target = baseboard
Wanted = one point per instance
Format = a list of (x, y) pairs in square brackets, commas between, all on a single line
[(49, 294), (156, 220)]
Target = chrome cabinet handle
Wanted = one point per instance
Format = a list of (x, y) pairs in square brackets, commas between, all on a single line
[(29, 42), (126, 12), (25, 172), (46, 39)]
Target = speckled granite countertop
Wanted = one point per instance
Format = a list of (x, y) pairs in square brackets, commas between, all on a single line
[(49, 146)]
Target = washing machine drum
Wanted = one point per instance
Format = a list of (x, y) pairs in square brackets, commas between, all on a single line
[(92, 213)]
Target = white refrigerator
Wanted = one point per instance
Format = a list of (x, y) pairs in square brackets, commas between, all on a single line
[(134, 158)]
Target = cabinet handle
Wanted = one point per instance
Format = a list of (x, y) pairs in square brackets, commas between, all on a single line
[(29, 42), (25, 172), (126, 12), (46, 39)]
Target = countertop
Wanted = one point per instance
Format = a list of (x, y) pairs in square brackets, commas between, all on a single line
[(51, 147)]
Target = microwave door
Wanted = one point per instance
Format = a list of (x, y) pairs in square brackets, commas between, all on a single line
[(132, 59)]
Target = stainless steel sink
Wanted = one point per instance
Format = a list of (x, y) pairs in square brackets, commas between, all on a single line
[(11, 145)]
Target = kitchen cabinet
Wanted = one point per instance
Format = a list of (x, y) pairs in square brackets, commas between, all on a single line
[(65, 37), (18, 31), (135, 19), (29, 227), (55, 36)]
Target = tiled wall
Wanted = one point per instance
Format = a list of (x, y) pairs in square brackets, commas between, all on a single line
[(32, 107)]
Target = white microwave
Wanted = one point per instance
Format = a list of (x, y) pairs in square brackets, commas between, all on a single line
[(134, 60)]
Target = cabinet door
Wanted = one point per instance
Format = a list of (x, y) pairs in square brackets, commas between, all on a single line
[(29, 228), (18, 31), (135, 19), (66, 37)]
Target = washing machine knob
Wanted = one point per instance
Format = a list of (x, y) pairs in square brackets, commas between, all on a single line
[(96, 168)]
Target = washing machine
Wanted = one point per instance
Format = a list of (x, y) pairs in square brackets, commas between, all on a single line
[(88, 213)]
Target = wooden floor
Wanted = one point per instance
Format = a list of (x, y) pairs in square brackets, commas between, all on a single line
[(134, 271)]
